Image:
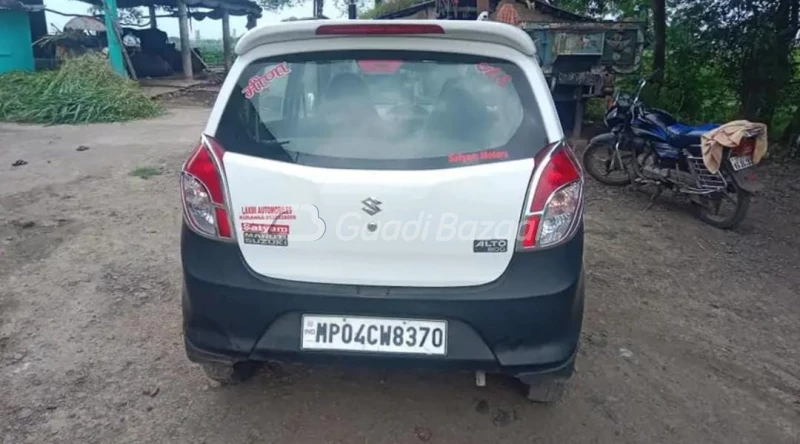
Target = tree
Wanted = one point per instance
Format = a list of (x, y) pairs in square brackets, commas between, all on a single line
[(125, 16), (660, 35), (754, 40), (603, 8), (277, 5)]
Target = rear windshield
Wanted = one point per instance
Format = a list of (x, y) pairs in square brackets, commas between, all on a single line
[(382, 110)]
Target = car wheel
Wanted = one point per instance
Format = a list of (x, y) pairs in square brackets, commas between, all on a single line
[(546, 390), (229, 374)]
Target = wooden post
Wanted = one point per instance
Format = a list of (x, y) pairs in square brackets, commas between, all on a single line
[(226, 39), (153, 23), (186, 45), (577, 124)]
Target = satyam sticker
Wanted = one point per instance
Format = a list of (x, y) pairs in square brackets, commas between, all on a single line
[(282, 230), (260, 83), (481, 156)]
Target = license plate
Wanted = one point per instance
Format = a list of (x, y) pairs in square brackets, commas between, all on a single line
[(741, 162), (377, 335)]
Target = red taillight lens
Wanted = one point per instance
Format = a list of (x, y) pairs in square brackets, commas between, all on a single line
[(747, 146), (530, 227), (558, 171), (203, 192), (202, 167), (557, 202), (378, 29)]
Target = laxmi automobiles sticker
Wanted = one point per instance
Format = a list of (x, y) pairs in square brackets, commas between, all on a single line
[(268, 212), (259, 83)]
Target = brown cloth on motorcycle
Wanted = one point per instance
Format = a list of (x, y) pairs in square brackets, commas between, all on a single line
[(731, 135)]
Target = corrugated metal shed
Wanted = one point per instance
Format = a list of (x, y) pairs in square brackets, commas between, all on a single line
[(16, 47)]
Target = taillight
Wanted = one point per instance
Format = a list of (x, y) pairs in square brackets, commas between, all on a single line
[(555, 199), (378, 29), (746, 147), (203, 191)]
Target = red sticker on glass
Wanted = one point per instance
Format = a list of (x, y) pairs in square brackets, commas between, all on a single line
[(498, 75), (260, 83), (380, 66)]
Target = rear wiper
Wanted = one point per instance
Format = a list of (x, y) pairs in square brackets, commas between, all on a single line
[(281, 143), (276, 142)]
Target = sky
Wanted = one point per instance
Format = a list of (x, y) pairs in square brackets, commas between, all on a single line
[(209, 29)]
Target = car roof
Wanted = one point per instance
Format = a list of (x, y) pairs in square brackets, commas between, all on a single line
[(478, 31)]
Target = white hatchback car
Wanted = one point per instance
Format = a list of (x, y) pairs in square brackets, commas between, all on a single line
[(392, 192)]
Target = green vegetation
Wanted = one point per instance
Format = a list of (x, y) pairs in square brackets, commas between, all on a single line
[(145, 172), (724, 59), (388, 7), (212, 55), (83, 90), (211, 50)]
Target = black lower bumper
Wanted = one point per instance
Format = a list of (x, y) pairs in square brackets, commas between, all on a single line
[(524, 324)]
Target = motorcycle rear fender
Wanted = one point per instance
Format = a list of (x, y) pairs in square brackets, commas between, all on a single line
[(742, 179)]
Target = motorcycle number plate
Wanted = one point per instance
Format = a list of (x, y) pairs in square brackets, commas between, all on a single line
[(741, 162)]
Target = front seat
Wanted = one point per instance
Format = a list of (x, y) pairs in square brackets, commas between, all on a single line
[(458, 117)]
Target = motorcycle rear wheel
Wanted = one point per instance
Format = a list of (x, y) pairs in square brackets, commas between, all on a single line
[(602, 168), (706, 212)]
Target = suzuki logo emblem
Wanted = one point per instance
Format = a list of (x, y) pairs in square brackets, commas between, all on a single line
[(371, 206)]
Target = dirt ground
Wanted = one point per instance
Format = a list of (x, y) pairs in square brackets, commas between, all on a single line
[(691, 333)]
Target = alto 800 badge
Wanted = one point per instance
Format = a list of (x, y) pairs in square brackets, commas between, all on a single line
[(490, 246)]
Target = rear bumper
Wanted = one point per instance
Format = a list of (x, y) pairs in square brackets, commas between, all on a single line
[(524, 324)]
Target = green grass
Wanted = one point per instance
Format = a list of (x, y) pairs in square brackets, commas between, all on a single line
[(145, 172), (83, 90)]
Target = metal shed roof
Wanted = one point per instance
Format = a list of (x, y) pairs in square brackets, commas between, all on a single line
[(234, 7)]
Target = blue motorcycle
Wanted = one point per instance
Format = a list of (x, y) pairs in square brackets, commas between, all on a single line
[(647, 146)]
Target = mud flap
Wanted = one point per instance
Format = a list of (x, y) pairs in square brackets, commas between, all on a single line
[(745, 180)]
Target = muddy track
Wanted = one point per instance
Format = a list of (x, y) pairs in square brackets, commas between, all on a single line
[(690, 333)]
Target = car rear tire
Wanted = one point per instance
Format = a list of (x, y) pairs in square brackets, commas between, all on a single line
[(229, 374), (546, 391)]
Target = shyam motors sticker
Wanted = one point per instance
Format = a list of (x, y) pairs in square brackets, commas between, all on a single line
[(259, 83), (265, 228)]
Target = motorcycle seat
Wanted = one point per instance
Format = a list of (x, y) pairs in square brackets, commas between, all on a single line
[(681, 135)]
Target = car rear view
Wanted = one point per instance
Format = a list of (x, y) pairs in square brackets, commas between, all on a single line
[(388, 193)]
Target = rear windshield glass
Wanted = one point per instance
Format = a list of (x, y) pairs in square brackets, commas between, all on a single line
[(382, 110)]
